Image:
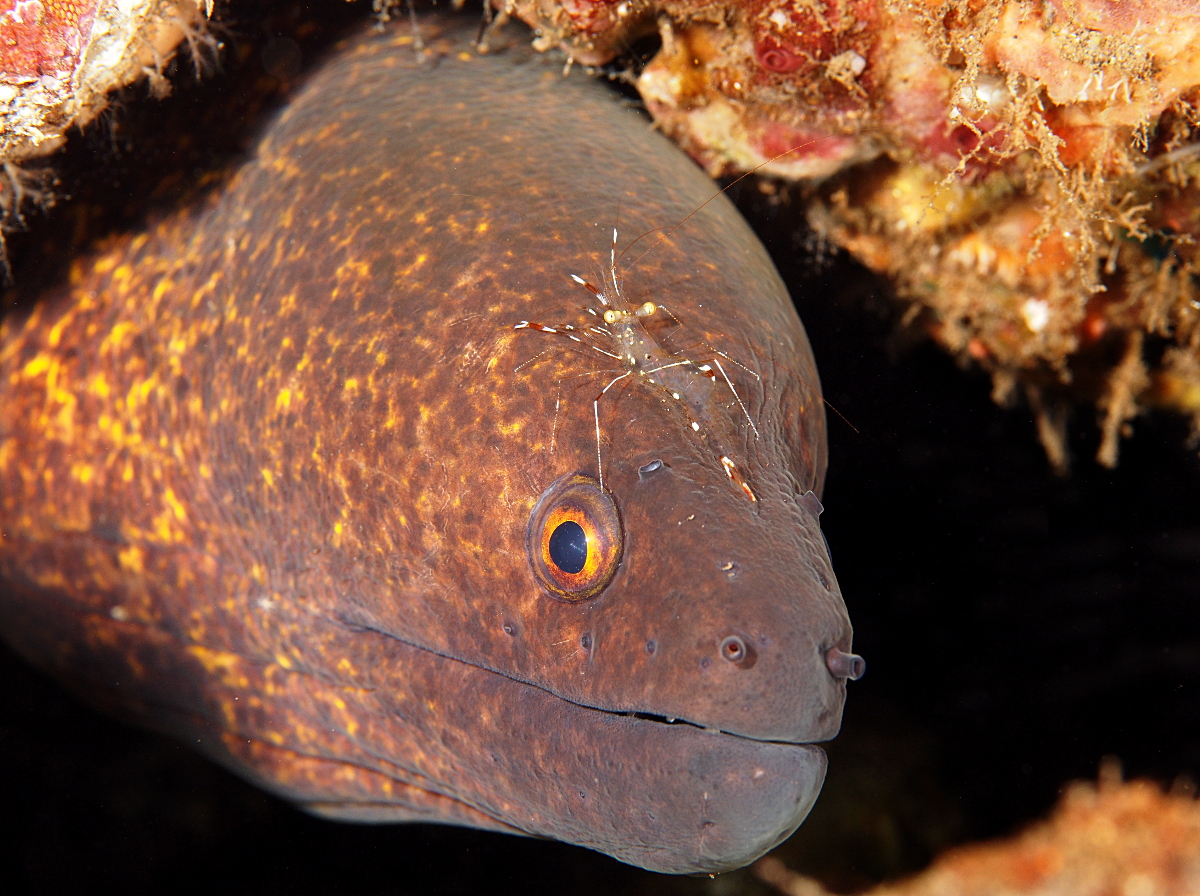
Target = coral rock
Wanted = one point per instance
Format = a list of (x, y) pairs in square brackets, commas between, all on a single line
[(59, 59), (1116, 838)]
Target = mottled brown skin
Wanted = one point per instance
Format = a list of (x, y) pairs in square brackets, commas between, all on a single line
[(266, 473)]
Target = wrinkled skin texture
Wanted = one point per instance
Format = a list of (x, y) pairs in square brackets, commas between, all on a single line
[(266, 474)]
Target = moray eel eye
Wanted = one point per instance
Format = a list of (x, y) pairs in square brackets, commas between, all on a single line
[(569, 547), (575, 538)]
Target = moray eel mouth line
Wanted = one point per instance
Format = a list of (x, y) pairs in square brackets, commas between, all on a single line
[(635, 714), (674, 795)]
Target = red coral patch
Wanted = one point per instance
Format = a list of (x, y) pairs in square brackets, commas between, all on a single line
[(43, 37)]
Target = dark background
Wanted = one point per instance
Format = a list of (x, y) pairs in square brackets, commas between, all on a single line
[(1018, 626)]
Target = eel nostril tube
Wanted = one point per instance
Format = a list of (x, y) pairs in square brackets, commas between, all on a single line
[(844, 665)]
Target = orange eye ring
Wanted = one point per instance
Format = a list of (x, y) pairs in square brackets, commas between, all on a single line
[(574, 538)]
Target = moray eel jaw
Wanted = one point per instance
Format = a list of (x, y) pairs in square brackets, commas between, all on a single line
[(672, 798)]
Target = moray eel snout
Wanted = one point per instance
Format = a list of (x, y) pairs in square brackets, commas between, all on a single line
[(347, 477)]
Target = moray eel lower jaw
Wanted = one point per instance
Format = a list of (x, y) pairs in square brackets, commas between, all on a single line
[(674, 798)]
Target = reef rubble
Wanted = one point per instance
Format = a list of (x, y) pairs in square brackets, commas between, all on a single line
[(1112, 837)]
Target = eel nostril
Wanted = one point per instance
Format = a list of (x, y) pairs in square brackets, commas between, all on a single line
[(733, 649), (844, 665)]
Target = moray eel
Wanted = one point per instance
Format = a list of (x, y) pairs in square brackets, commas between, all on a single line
[(379, 475)]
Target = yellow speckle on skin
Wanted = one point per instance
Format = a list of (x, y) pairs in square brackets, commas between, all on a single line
[(82, 472), (464, 56), (219, 662), (131, 559), (161, 288), (258, 574), (268, 477), (117, 336), (283, 400), (353, 269), (351, 385), (175, 504), (55, 334), (283, 661), (162, 528), (139, 391), (51, 579), (38, 364), (509, 429), (481, 227), (419, 218), (337, 527)]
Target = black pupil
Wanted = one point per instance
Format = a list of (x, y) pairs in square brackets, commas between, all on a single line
[(568, 547)]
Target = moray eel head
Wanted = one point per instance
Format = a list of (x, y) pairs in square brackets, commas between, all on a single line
[(354, 479)]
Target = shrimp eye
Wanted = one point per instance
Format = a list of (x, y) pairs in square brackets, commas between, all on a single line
[(574, 538)]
